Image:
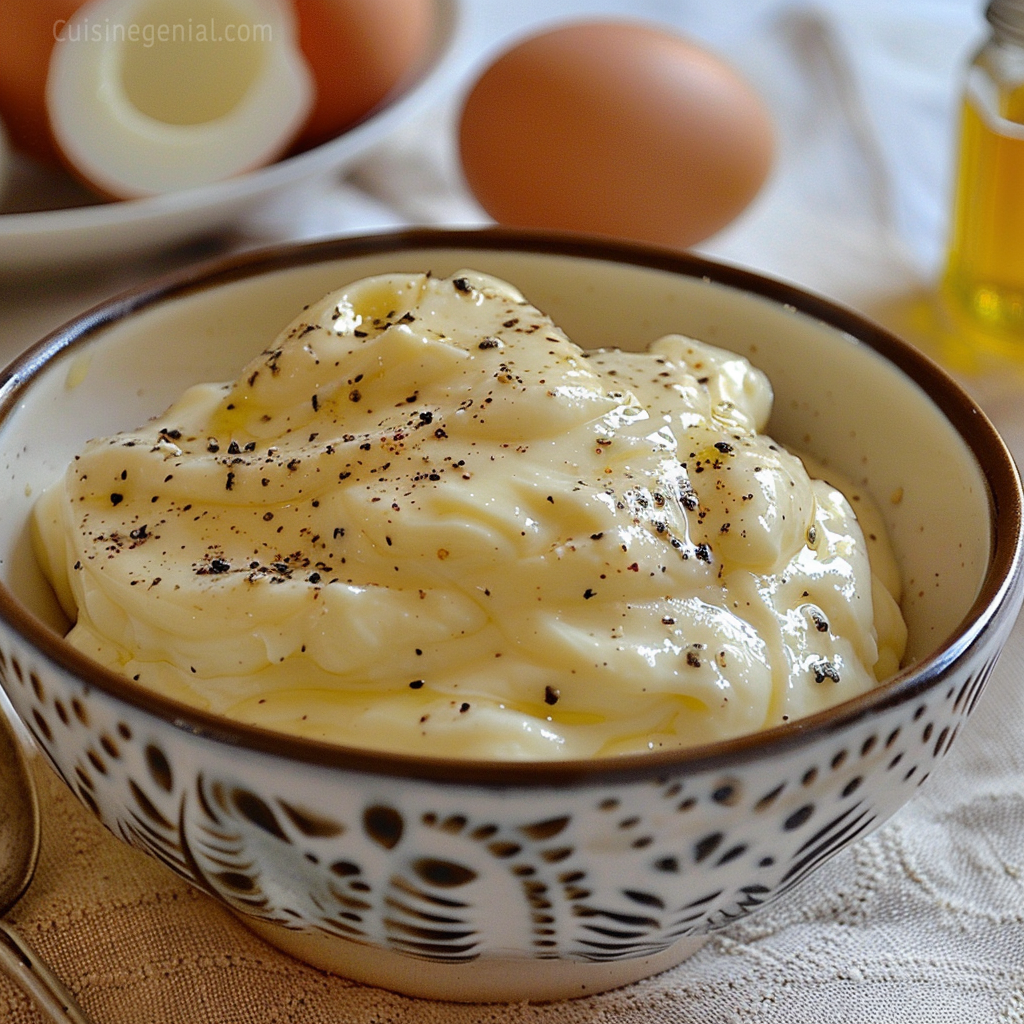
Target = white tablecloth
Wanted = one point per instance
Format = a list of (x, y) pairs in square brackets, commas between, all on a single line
[(924, 920)]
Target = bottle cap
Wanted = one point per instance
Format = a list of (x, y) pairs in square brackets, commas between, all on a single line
[(1007, 19)]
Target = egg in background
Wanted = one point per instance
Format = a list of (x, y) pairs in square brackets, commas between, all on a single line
[(27, 31), (615, 128), (138, 118), (225, 91), (358, 52)]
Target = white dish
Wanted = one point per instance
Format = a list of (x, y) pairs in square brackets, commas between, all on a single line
[(98, 232)]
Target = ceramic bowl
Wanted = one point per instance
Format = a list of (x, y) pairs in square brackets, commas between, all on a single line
[(478, 880)]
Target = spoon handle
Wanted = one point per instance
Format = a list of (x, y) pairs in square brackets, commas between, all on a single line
[(20, 962)]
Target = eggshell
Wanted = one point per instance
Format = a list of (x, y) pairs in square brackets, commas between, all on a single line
[(28, 31), (615, 128), (358, 51)]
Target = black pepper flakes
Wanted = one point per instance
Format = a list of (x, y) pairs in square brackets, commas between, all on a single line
[(551, 695), (824, 669)]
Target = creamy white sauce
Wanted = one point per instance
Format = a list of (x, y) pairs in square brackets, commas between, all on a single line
[(426, 521)]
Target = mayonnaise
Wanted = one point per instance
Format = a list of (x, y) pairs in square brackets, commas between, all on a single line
[(425, 521)]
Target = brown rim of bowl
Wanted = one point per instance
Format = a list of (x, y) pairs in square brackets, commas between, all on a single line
[(995, 601)]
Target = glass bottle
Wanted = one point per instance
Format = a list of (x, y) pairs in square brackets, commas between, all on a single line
[(984, 278)]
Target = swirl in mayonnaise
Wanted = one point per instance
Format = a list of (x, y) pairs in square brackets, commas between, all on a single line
[(425, 521)]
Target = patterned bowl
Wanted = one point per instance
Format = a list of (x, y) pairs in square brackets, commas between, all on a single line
[(476, 880)]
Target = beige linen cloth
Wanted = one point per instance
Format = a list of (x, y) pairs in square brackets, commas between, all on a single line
[(920, 923)]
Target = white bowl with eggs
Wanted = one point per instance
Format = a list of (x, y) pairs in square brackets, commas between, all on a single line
[(49, 219), (505, 880)]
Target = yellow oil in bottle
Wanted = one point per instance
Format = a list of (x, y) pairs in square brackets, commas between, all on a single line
[(984, 280)]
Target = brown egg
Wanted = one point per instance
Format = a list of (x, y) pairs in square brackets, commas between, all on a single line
[(615, 128), (358, 51), (28, 30)]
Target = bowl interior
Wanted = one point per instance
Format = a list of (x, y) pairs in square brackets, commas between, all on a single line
[(836, 398)]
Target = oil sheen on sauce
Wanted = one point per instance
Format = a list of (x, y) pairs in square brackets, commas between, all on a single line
[(426, 521)]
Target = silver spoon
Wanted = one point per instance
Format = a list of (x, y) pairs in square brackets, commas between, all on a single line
[(19, 852)]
